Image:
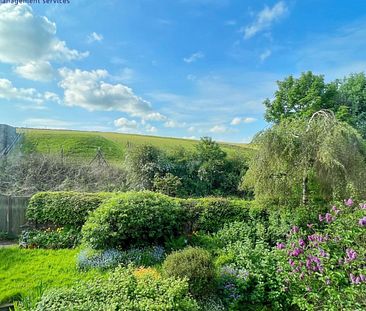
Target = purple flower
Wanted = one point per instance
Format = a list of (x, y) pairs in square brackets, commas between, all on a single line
[(351, 255), (355, 279), (363, 205), (328, 218), (327, 281), (295, 229), (335, 210), (348, 202), (280, 246), (321, 218), (362, 221), (302, 243), (310, 225), (291, 262), (296, 252)]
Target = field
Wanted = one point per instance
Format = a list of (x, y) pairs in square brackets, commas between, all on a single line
[(83, 145)]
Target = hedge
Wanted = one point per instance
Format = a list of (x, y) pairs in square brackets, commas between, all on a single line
[(63, 208), (133, 218)]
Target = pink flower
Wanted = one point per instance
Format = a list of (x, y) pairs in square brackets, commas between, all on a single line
[(280, 246), (362, 221), (348, 202)]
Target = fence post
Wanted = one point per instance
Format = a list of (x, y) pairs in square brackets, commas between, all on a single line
[(9, 215)]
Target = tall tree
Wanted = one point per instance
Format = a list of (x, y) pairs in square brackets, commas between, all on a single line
[(320, 156)]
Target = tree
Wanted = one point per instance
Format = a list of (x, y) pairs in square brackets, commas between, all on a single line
[(301, 97), (320, 156), (352, 96), (142, 164), (212, 161)]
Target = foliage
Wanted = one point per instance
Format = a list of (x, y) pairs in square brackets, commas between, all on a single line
[(196, 265), (63, 208), (23, 271), (111, 258), (50, 239), (321, 157), (122, 291), (210, 214), (143, 163), (131, 219), (303, 96), (168, 184), (325, 267)]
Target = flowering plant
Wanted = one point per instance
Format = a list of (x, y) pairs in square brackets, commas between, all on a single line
[(325, 266)]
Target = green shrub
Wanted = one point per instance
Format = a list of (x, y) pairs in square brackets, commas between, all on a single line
[(210, 214), (122, 291), (50, 239), (63, 208), (196, 265), (133, 218)]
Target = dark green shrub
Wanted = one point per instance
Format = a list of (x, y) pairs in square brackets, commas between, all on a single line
[(196, 265), (121, 291), (63, 208), (210, 214), (133, 218)]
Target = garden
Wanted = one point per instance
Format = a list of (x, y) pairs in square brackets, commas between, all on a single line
[(282, 229)]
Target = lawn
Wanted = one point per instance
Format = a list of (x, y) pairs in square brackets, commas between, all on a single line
[(24, 270)]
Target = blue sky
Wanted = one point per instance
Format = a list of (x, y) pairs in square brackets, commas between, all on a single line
[(182, 68)]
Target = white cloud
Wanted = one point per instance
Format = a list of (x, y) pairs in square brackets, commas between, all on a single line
[(36, 71), (47, 123), (150, 129), (9, 92), (95, 37), (219, 129), (26, 37), (236, 121), (249, 120), (194, 57), (239, 120), (154, 116), (125, 123), (87, 89), (265, 19), (265, 55)]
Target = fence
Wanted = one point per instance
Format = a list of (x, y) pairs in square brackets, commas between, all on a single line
[(12, 213)]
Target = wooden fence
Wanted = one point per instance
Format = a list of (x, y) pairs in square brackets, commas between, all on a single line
[(12, 213)]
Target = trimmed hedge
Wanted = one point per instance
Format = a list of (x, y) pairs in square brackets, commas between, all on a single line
[(133, 219), (210, 214), (63, 208)]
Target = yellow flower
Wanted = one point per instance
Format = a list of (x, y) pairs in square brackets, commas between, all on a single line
[(143, 272)]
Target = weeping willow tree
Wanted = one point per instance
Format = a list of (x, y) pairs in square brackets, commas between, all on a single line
[(297, 159)]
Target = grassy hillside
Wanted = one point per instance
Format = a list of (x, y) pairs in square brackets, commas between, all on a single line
[(83, 145)]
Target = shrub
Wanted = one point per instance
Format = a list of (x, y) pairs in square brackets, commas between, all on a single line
[(122, 291), (63, 208), (50, 239), (111, 258), (133, 219), (210, 214), (196, 265), (325, 268)]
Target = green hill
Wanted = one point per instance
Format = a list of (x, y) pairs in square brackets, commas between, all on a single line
[(83, 145)]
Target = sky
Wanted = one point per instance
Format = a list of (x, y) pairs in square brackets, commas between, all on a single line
[(178, 68)]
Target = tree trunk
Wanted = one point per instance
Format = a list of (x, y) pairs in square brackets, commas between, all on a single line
[(305, 189)]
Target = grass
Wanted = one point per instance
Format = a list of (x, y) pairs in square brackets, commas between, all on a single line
[(23, 271), (83, 145)]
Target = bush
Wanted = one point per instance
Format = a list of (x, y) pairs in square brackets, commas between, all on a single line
[(328, 263), (122, 291), (196, 265), (50, 239), (210, 214), (130, 219), (63, 208), (111, 258)]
